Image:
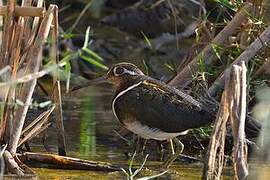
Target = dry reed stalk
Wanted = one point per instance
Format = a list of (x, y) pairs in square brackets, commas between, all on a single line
[(9, 94), (261, 42), (238, 117), (233, 107), (7, 34), (24, 11), (57, 88), (1, 24), (215, 154), (36, 126), (34, 58), (35, 24), (30, 77), (12, 164), (184, 77)]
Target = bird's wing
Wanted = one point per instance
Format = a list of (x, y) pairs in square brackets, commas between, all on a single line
[(174, 93)]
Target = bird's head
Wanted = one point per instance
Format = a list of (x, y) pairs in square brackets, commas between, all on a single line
[(121, 74)]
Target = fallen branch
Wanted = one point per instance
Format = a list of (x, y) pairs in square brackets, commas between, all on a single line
[(63, 162)]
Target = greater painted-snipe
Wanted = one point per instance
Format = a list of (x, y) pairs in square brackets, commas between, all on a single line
[(151, 108)]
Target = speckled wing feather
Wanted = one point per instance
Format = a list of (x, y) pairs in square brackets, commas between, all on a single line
[(161, 107)]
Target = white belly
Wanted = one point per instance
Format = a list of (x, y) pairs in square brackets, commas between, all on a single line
[(151, 133)]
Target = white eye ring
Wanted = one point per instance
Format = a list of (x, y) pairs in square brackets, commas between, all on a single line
[(122, 71)]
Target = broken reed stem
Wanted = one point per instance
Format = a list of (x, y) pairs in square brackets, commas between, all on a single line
[(35, 126), (238, 116), (12, 164), (34, 62), (233, 107), (9, 95), (24, 11), (261, 42), (215, 154), (57, 89)]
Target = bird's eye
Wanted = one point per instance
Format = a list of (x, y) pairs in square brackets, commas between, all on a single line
[(118, 71)]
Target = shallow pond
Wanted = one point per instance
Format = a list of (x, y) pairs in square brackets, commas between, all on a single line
[(90, 134)]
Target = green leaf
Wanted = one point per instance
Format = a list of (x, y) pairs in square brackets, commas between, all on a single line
[(146, 40), (94, 62), (92, 53)]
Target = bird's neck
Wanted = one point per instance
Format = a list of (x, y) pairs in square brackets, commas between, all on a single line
[(122, 86)]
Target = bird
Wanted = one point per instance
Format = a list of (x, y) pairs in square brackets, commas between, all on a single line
[(151, 108)]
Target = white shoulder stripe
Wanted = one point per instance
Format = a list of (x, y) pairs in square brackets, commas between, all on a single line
[(120, 94)]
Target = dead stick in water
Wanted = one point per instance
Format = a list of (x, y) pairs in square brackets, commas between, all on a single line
[(63, 162)]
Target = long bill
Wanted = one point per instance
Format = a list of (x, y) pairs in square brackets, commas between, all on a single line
[(98, 80)]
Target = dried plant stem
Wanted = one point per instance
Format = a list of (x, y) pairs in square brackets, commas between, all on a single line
[(12, 164), (35, 126), (215, 154), (238, 116), (24, 11), (261, 42), (233, 107), (34, 62), (57, 89), (184, 77)]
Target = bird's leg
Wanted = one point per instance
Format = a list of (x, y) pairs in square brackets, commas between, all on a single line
[(161, 152), (144, 145), (179, 150), (172, 148)]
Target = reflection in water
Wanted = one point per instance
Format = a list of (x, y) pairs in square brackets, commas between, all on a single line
[(87, 144)]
